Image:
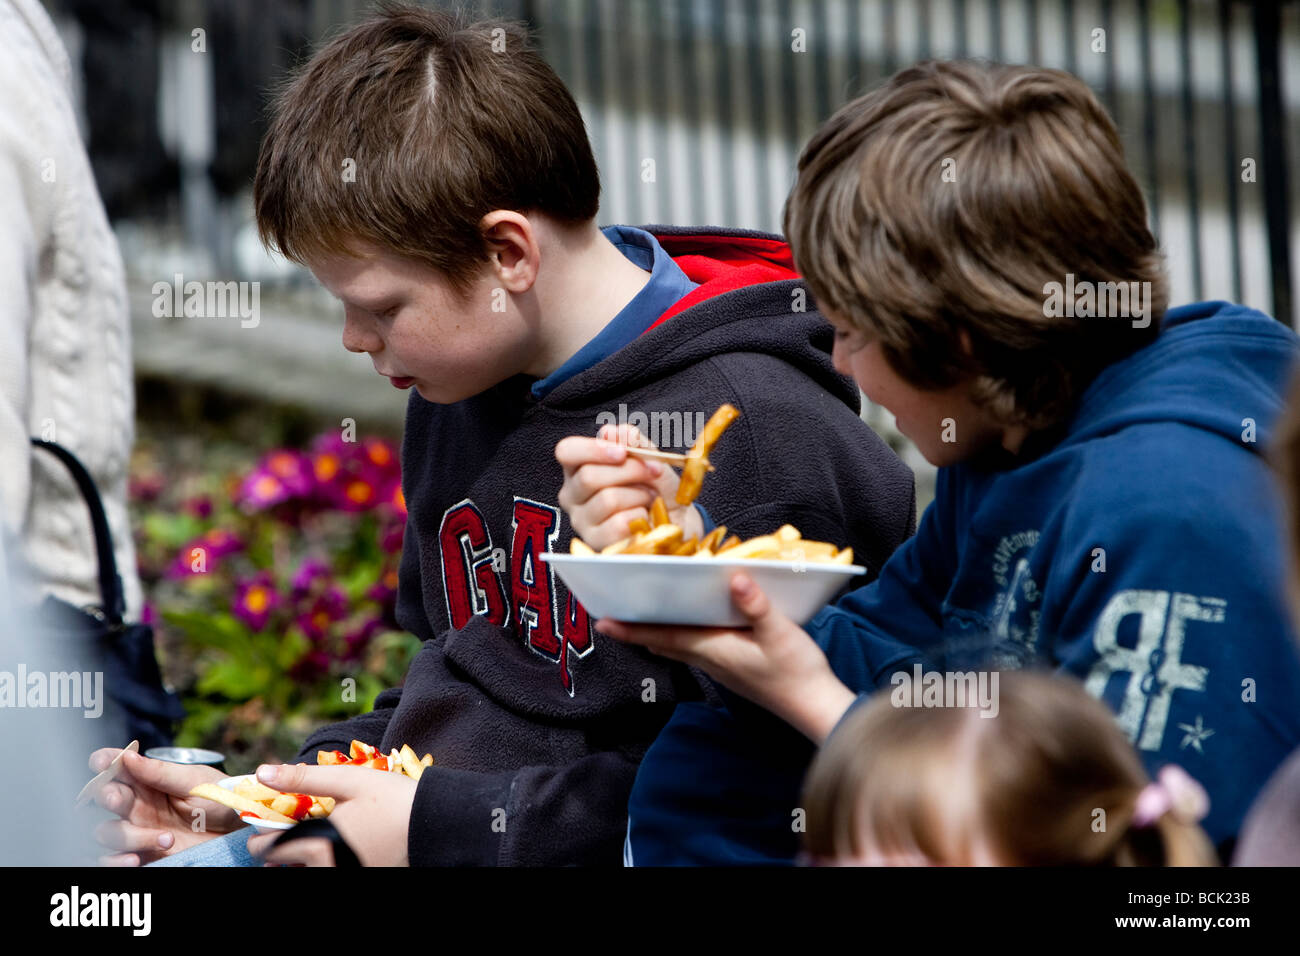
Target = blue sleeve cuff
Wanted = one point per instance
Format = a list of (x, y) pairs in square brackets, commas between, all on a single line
[(709, 523)]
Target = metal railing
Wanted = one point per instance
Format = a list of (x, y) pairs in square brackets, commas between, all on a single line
[(719, 95)]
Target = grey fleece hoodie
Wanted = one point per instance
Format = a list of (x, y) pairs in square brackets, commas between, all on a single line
[(535, 721)]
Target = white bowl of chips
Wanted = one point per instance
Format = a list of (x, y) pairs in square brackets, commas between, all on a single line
[(664, 589)]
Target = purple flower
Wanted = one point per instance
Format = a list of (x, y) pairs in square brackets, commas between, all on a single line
[(385, 589), (200, 506), (309, 572), (327, 608), (380, 455), (255, 600), (391, 540), (201, 554), (292, 469), (145, 487), (311, 666), (356, 641), (262, 489)]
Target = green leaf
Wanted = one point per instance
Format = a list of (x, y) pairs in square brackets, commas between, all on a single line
[(368, 688), (211, 629), (290, 648), (359, 580), (171, 530), (233, 680), (202, 720)]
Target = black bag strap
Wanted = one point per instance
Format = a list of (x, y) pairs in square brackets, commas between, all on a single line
[(344, 856), (110, 583)]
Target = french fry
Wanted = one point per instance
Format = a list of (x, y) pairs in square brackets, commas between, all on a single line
[(656, 534), (658, 540), (810, 551), (286, 803), (410, 763), (765, 545), (697, 459), (713, 538), (687, 547), (658, 513), (618, 547), (360, 749), (256, 791), (240, 804)]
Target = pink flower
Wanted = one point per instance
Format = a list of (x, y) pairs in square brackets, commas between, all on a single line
[(255, 600), (356, 641), (385, 589), (381, 454), (261, 490), (309, 572), (292, 469), (317, 621), (202, 554), (391, 539)]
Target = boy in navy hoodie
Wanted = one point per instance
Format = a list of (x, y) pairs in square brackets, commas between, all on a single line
[(437, 178), (1103, 505)]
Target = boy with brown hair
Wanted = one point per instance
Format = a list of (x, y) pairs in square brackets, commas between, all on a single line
[(436, 177), (1102, 506)]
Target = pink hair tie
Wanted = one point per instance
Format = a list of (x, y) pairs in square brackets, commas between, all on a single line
[(1173, 791)]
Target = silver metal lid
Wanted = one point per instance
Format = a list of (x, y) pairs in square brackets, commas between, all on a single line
[(185, 755)]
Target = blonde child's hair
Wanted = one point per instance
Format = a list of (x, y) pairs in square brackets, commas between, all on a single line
[(1050, 780)]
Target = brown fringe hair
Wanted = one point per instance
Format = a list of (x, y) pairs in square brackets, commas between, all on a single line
[(443, 125), (1041, 191)]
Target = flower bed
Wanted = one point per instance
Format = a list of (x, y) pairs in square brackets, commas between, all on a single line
[(272, 583)]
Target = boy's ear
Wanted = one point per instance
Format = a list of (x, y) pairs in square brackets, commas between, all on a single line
[(513, 252)]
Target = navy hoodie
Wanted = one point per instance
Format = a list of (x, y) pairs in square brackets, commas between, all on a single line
[(1139, 549), (537, 723)]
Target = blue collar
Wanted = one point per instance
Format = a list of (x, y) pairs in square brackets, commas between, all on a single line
[(667, 284)]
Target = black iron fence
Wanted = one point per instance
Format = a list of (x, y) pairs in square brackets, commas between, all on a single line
[(713, 99)]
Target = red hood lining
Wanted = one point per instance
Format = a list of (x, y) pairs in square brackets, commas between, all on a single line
[(723, 264)]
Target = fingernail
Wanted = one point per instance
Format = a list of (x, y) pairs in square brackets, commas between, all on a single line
[(656, 469), (165, 840), (743, 585), (266, 773)]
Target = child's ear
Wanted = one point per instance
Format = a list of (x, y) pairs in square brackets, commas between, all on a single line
[(512, 249)]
